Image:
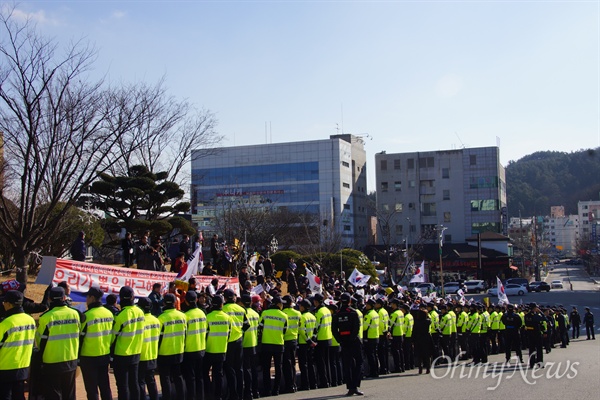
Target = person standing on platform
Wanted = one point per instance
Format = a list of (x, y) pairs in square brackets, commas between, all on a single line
[(95, 339)]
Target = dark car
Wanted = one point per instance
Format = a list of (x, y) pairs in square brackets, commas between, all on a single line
[(540, 286), (519, 281)]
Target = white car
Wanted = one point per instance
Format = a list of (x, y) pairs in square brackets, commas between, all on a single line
[(556, 284), (511, 289), (452, 287)]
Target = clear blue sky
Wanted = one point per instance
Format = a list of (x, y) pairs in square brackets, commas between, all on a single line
[(414, 75)]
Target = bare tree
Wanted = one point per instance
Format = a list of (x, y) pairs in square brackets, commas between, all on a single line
[(60, 128)]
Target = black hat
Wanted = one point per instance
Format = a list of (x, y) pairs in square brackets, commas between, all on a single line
[(145, 304), (228, 294), (276, 300), (358, 297), (217, 300), (57, 293), (169, 299), (287, 300), (345, 298), (14, 297), (443, 307), (422, 305), (126, 293), (304, 303), (95, 291), (246, 299), (191, 296), (371, 302), (380, 301), (318, 297), (532, 305)]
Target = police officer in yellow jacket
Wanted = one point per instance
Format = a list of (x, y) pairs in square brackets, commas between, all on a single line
[(57, 338), (290, 344), (371, 337), (233, 359), (219, 329), (324, 336), (272, 325), (250, 349), (128, 337), (384, 330), (306, 344), (149, 354), (195, 347), (95, 340), (171, 345), (17, 335), (397, 331)]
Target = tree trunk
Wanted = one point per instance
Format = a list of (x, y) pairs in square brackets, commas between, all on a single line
[(21, 266)]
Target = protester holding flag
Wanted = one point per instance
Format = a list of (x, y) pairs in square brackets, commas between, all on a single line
[(358, 279)]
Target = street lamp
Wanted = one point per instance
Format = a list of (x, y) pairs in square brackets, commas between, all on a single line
[(442, 229)]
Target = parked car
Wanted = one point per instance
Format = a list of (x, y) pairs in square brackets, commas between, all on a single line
[(476, 286), (425, 287), (556, 284), (511, 289), (539, 286), (519, 281), (452, 287)]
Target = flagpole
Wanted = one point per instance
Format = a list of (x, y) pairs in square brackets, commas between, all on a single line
[(442, 229)]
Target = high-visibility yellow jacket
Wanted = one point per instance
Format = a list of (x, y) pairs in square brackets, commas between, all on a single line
[(128, 331), (384, 321), (238, 315), (151, 337), (307, 327), (59, 329), (273, 323), (219, 328), (409, 323), (371, 325), (96, 332), (195, 337), (293, 323), (397, 323), (17, 335), (251, 335)]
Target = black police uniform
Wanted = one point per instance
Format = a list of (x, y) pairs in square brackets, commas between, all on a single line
[(345, 329)]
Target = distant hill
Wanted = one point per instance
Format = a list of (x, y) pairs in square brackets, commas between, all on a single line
[(543, 179)]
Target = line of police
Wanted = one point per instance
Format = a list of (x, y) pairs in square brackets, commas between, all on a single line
[(232, 338)]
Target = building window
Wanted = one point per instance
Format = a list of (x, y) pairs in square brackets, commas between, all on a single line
[(585, 214), (411, 206), (446, 194), (397, 163), (413, 228), (398, 207), (386, 207), (448, 238), (383, 165), (384, 186), (346, 227), (485, 205), (411, 184), (472, 159), (480, 227), (483, 182), (428, 210), (345, 164), (398, 186), (346, 206), (410, 163), (398, 228), (346, 185), (445, 173), (447, 216)]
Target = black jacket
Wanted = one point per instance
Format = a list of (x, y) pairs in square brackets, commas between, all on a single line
[(345, 326)]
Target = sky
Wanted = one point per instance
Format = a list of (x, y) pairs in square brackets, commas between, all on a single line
[(406, 75)]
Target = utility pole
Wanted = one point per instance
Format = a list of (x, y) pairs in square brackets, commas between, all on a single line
[(442, 229)]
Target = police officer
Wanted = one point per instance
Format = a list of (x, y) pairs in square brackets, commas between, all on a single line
[(95, 340), (219, 329), (474, 330), (171, 346), (128, 337), (57, 337), (512, 337), (534, 326), (250, 350), (345, 329), (434, 329), (272, 326), (398, 332), (195, 347), (149, 353), (306, 344), (383, 344), (462, 319), (446, 328), (290, 344), (335, 360), (407, 347), (17, 335), (371, 337), (324, 336), (233, 359)]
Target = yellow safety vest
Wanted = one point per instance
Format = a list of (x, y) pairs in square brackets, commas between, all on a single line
[(274, 323), (172, 332), (453, 315), (446, 324), (360, 324), (151, 337), (397, 323), (251, 335), (384, 321), (59, 327), (435, 321), (128, 331), (17, 335), (293, 323), (463, 319), (501, 325), (219, 328), (307, 327), (494, 321), (409, 323), (485, 321), (371, 324), (323, 326), (237, 314), (195, 338), (96, 332)]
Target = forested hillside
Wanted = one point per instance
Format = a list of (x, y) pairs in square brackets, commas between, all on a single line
[(551, 178)]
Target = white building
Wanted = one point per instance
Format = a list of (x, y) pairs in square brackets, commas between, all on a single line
[(589, 217), (322, 177), (562, 233), (464, 190)]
